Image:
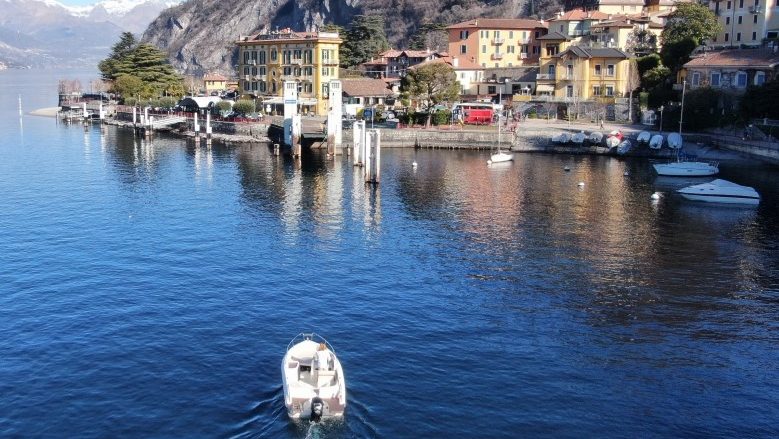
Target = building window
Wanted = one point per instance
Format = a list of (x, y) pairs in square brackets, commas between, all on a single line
[(610, 70), (754, 19), (728, 8), (463, 48), (696, 79), (510, 49), (483, 49), (537, 34), (759, 78), (738, 36), (741, 80), (754, 36), (325, 89), (727, 37), (569, 91), (463, 34), (550, 69), (597, 70), (274, 55), (497, 65), (740, 3), (596, 90), (609, 91), (740, 19), (569, 71), (491, 90), (714, 79), (511, 34), (262, 57), (727, 20)]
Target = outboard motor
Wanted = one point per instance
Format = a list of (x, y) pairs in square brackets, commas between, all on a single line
[(317, 409)]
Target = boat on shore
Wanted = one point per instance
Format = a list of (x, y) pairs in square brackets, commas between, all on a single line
[(643, 137), (721, 191), (675, 141), (656, 142), (596, 137), (561, 138), (624, 147), (578, 138), (313, 379)]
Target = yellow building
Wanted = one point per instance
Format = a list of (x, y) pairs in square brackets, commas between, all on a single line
[(308, 58), (214, 82), (575, 73), (744, 22)]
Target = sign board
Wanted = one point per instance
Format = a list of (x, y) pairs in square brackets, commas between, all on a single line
[(290, 101)]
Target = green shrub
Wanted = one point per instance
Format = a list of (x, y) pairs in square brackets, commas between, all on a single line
[(168, 102), (442, 117), (131, 101), (244, 106), (224, 107)]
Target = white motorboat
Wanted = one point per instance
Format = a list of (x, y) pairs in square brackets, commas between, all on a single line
[(501, 156), (596, 137), (624, 147), (721, 191), (314, 383), (578, 138), (643, 137), (675, 141), (686, 169), (561, 138), (656, 142), (612, 142)]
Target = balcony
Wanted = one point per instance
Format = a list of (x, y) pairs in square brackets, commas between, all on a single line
[(496, 56), (252, 62), (258, 77), (522, 56), (545, 77), (755, 10), (330, 62), (498, 41)]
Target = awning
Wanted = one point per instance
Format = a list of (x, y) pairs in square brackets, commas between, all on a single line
[(541, 88), (280, 100)]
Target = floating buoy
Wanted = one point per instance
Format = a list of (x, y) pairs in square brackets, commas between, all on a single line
[(567, 169), (626, 173), (489, 162), (656, 196), (581, 184), (414, 165)]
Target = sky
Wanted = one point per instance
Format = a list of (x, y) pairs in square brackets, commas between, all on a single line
[(77, 2)]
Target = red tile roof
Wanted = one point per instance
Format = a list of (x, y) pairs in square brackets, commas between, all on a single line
[(365, 87), (214, 77), (755, 58), (463, 63), (499, 23), (581, 14)]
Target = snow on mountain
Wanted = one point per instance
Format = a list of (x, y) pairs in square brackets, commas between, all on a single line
[(115, 7)]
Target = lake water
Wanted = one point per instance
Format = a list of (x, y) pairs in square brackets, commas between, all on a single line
[(149, 289)]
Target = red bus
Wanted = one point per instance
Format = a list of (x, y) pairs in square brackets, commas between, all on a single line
[(473, 112)]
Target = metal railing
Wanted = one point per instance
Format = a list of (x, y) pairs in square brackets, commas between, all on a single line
[(545, 76)]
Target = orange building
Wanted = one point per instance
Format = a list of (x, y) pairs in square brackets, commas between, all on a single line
[(497, 42)]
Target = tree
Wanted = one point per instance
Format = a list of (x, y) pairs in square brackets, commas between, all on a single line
[(126, 44), (430, 36), (676, 54), (690, 21), (363, 40), (149, 65), (129, 86), (244, 106), (761, 101), (432, 84)]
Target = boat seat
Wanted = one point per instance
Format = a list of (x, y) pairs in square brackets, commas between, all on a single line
[(325, 377)]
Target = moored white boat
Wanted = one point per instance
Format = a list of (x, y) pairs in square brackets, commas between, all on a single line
[(314, 383), (674, 141), (656, 142), (578, 138), (643, 137), (612, 142), (561, 138), (721, 191), (624, 147), (686, 169), (501, 156), (596, 137)]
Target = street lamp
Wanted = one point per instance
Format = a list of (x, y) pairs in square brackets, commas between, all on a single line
[(661, 118)]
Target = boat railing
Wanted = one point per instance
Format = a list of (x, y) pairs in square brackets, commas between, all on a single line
[(313, 336)]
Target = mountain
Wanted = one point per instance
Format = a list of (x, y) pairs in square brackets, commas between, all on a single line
[(45, 33), (198, 35)]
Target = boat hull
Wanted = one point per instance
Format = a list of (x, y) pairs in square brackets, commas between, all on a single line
[(721, 191), (501, 157), (686, 169), (305, 383)]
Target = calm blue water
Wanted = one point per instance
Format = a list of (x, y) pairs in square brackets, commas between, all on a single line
[(150, 289)]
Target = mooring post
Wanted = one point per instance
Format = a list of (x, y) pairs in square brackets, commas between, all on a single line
[(366, 160), (208, 125), (373, 157), (276, 149), (358, 131), (150, 126), (297, 129), (196, 129), (100, 112), (135, 116), (334, 114)]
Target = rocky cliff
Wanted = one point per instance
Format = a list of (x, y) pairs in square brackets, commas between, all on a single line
[(199, 34)]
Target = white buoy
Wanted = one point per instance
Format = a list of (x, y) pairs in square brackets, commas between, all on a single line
[(489, 162), (567, 169), (414, 165), (626, 173), (581, 184), (656, 196)]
